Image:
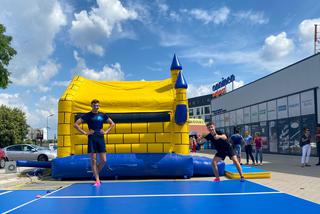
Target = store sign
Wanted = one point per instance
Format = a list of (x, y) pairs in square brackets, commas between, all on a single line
[(219, 111), (219, 92), (223, 82)]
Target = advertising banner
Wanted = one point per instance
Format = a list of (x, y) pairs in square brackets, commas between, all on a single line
[(282, 108), (272, 110), (294, 105), (254, 114), (246, 115), (233, 118), (239, 116), (262, 112), (307, 103)]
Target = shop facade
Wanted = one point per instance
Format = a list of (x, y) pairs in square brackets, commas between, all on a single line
[(278, 106)]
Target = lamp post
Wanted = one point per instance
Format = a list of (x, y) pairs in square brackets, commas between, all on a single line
[(50, 115)]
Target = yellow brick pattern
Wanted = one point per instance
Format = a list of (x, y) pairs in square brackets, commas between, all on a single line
[(123, 128), (139, 148), (155, 148)]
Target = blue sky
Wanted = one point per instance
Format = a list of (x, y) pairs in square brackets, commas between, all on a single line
[(135, 40)]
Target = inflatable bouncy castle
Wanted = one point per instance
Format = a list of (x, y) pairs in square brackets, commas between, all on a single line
[(151, 135), (150, 116)]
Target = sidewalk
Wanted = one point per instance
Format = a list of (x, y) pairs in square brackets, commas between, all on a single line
[(8, 181), (287, 175)]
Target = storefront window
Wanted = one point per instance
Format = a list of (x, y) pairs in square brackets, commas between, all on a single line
[(207, 110), (295, 135), (283, 136), (273, 136), (309, 121)]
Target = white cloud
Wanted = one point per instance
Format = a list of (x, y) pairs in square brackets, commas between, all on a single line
[(215, 16), (47, 105), (61, 83), (15, 101), (276, 47), (252, 17), (44, 107), (198, 90), (174, 40), (43, 88), (174, 16), (12, 100), (306, 33), (90, 30), (33, 25), (165, 12), (112, 72), (236, 84), (252, 61), (208, 63), (163, 8), (38, 74)]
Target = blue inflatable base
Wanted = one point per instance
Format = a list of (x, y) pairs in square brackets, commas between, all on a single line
[(202, 167), (159, 165), (125, 165), (40, 164)]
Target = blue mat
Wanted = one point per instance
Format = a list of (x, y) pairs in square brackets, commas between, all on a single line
[(17, 197), (165, 197)]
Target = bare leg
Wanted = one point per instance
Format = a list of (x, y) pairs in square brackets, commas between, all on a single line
[(235, 162), (103, 159), (94, 166), (214, 163), (239, 159)]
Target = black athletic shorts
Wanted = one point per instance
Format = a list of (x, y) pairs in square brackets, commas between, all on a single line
[(96, 143), (222, 153)]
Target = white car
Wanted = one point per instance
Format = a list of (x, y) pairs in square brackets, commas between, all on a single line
[(29, 152)]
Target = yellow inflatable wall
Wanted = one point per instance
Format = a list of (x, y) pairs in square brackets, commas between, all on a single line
[(124, 98)]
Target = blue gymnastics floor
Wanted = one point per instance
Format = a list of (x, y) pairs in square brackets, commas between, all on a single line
[(159, 197)]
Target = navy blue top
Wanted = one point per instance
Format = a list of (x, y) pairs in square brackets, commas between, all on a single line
[(95, 120), (236, 139)]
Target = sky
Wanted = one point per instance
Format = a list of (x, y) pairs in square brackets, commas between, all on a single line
[(126, 40)]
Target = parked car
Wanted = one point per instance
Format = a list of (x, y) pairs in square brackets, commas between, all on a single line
[(29, 152), (2, 158)]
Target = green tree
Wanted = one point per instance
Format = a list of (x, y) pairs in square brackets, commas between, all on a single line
[(6, 54), (13, 126)]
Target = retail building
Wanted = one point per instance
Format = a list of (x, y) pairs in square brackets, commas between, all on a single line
[(278, 106)]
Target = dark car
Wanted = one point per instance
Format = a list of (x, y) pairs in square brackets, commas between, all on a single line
[(2, 158)]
